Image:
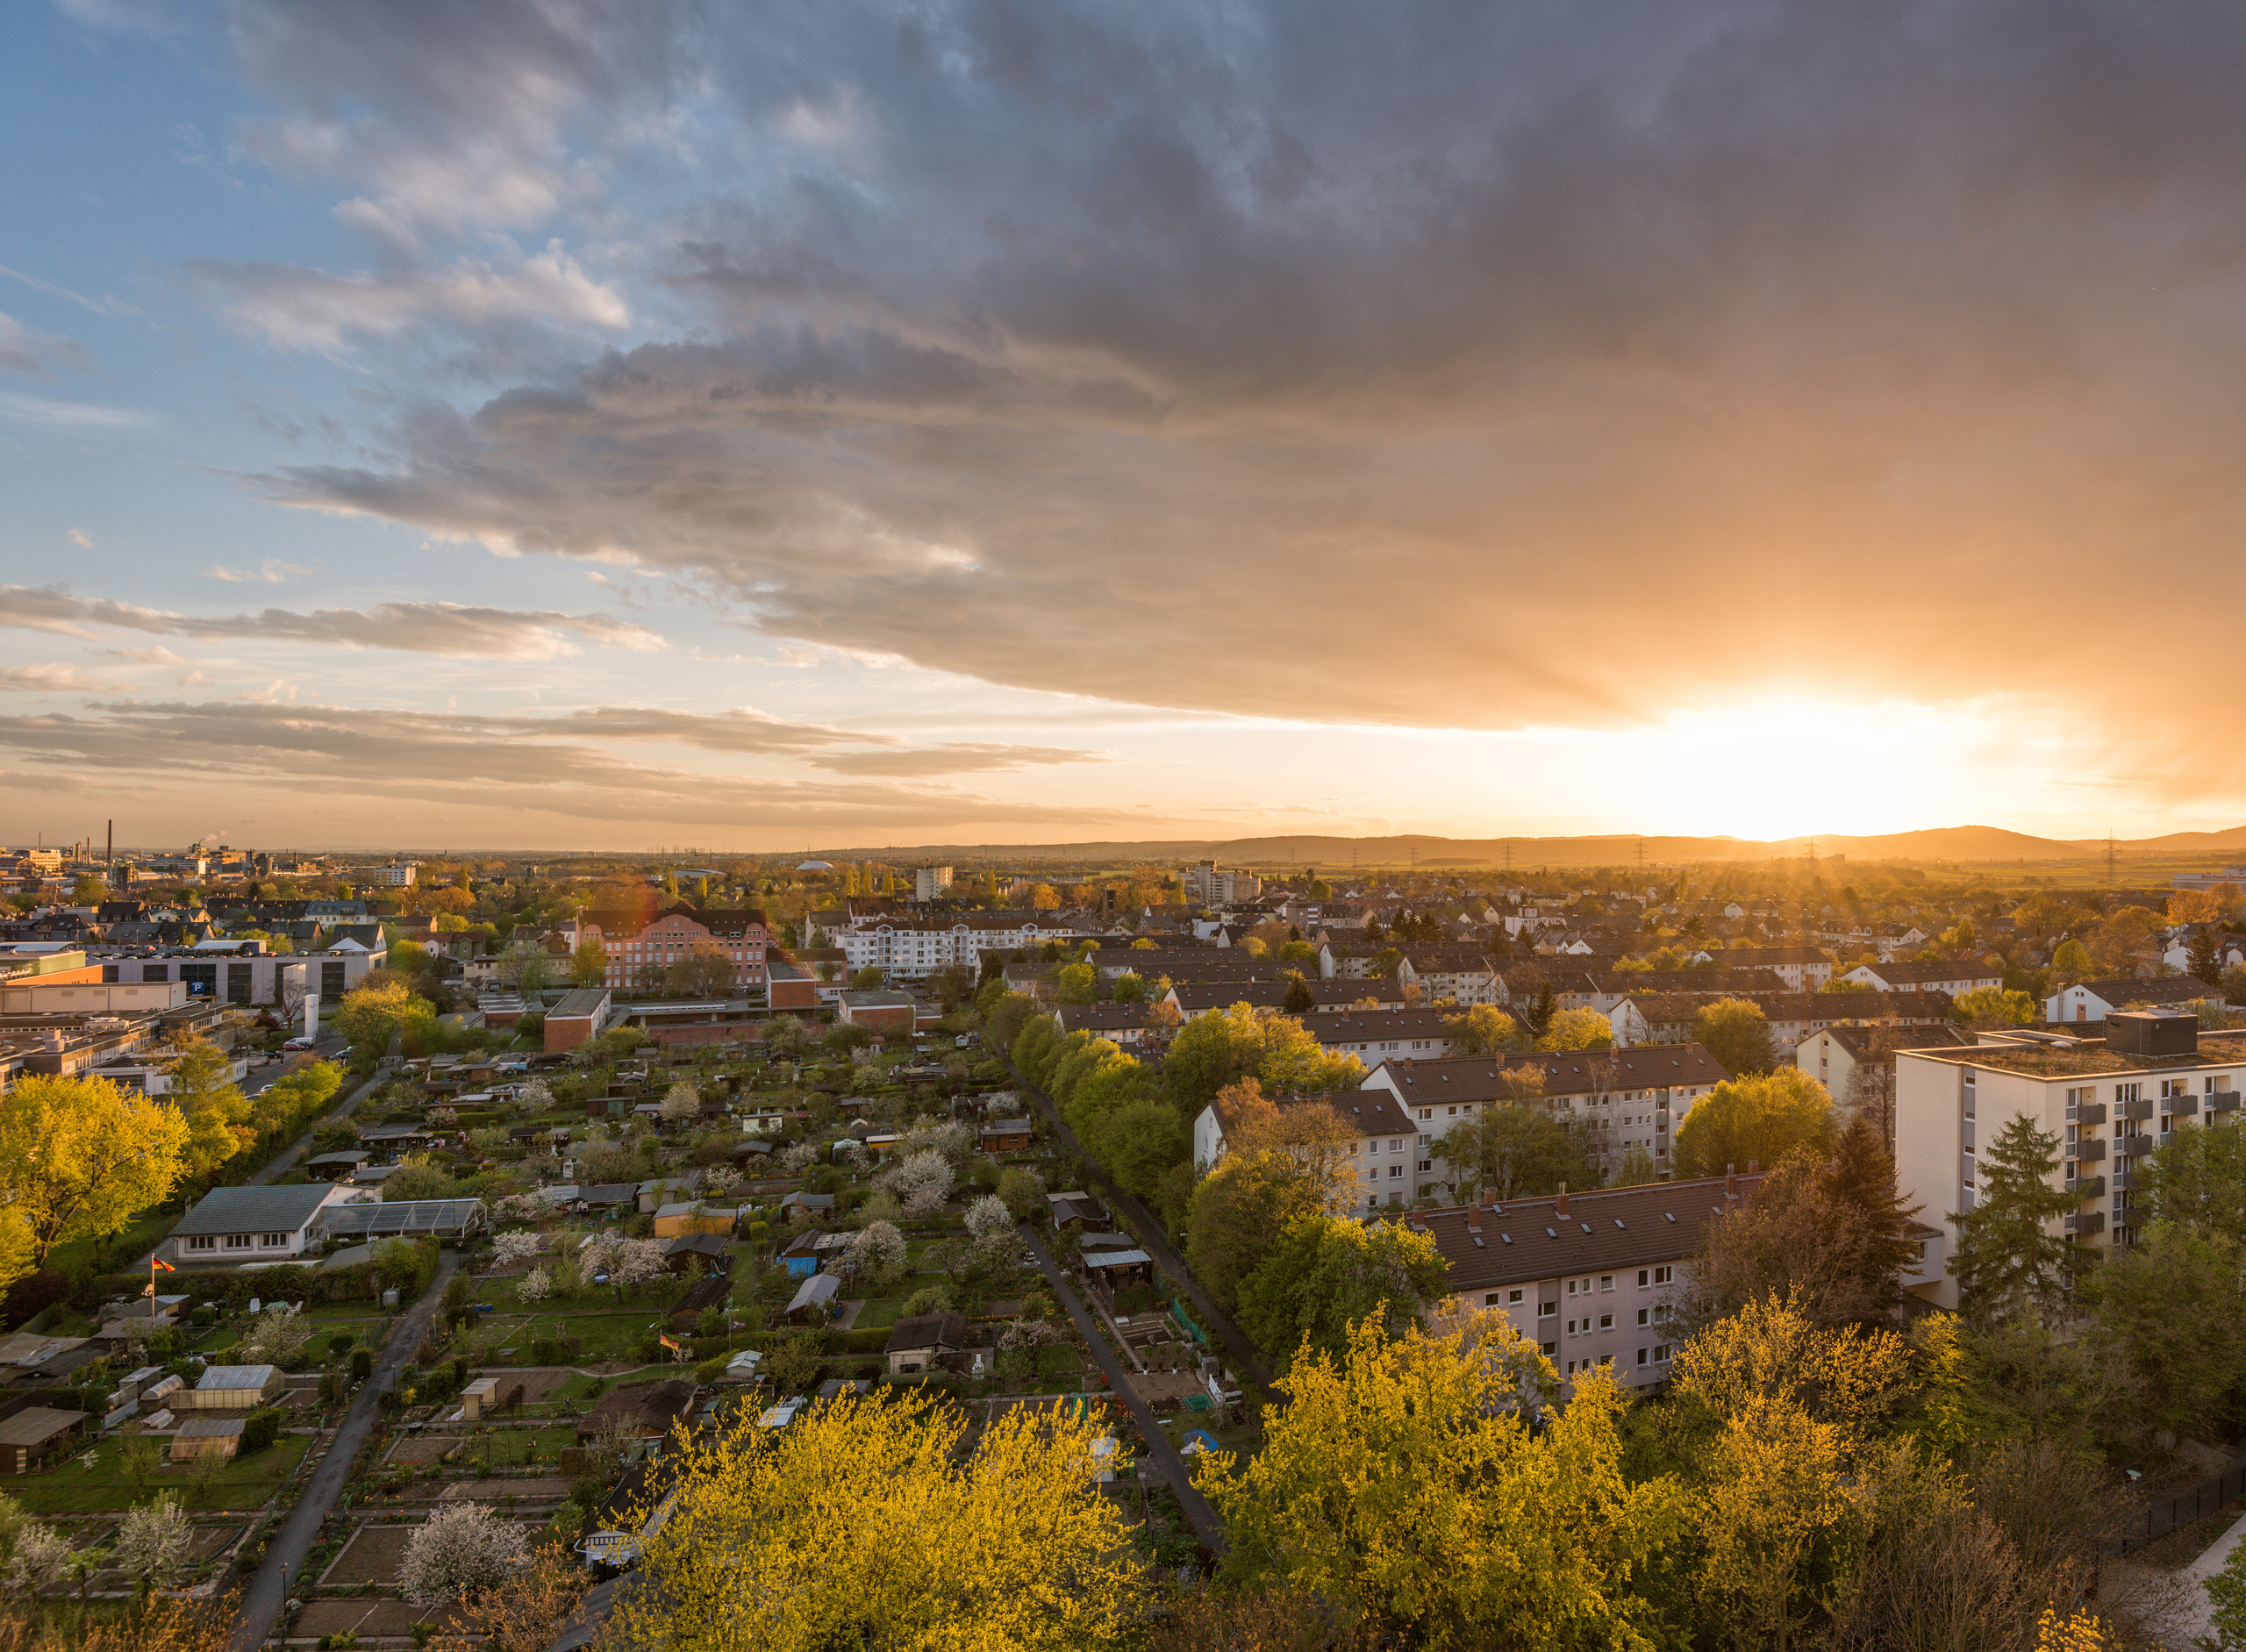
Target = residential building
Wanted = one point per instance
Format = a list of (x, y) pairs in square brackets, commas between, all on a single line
[(1197, 998), (243, 973), (1204, 884), (230, 1225), (908, 948), (2092, 1001), (1382, 1146), (1957, 976), (1121, 1024), (1464, 975), (398, 875), (578, 1018), (929, 882), (1835, 1056), (1669, 1018), (1591, 1278), (2107, 1102), (1803, 969), (1627, 1098), (1374, 1036)]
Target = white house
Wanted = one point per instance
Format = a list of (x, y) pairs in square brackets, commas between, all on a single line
[(231, 1225), (1955, 977), (2091, 1002)]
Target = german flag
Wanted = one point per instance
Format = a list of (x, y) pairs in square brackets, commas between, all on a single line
[(666, 1342), (158, 1262)]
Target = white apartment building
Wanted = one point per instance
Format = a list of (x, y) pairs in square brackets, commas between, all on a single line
[(2108, 1103), (930, 882), (1382, 1150), (398, 875), (1204, 883), (906, 949), (1629, 1097)]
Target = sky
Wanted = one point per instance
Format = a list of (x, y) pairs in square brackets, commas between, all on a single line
[(616, 425)]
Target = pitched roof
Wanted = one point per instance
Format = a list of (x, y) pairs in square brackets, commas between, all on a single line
[(946, 1330), (2168, 988), (1569, 1073), (36, 1424), (255, 1210), (1528, 1240), (1356, 1026)]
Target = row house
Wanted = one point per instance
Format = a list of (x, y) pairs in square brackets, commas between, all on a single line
[(1381, 1148), (1833, 1056), (1374, 1036), (2108, 1103), (2094, 1002), (1592, 1279), (1122, 1025), (739, 935), (1626, 1098), (1803, 969)]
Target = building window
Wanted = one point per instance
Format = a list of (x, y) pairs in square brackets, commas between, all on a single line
[(1606, 1282), (236, 1241), (1512, 1296), (201, 1241), (1661, 1352), (1605, 1322), (274, 1241), (1547, 1310), (1642, 1356), (1644, 1316)]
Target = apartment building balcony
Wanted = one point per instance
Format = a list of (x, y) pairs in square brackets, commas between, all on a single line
[(2088, 1187), (2086, 1222), (2183, 1106), (2134, 1146), (2141, 1108), (2223, 1101), (2089, 1152)]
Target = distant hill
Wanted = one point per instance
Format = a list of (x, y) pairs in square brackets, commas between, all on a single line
[(1940, 843)]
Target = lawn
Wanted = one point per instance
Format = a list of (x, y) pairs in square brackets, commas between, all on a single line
[(74, 1489), (877, 1316), (121, 1251), (603, 1334)]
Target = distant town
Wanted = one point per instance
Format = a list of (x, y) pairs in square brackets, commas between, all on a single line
[(398, 1245)]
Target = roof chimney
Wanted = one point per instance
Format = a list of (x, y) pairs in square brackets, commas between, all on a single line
[(1754, 1166), (1560, 1206), (1730, 1181)]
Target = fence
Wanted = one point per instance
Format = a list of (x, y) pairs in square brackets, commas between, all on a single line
[(2163, 1515)]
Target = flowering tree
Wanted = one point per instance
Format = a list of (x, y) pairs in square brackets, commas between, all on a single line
[(721, 1178), (280, 1331), (878, 1249), (1000, 1251), (946, 1136), (922, 1181), (988, 1215), (851, 1154), (153, 1541), (628, 1262), (509, 1248), (41, 1559), (682, 1103), (517, 1207), (459, 1552), (533, 1286), (533, 1096), (798, 1158)]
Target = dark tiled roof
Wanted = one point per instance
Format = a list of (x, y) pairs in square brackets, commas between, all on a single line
[(255, 1210), (1606, 1231), (2170, 989), (930, 1331), (1344, 1027), (1483, 1077)]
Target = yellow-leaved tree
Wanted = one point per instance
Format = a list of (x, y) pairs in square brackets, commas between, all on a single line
[(1404, 1483), (864, 1523), (80, 1158), (204, 1093)]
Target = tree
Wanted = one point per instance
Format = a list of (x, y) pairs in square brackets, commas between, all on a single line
[(680, 1103), (2203, 956), (2069, 963), (988, 1215), (78, 1158), (1238, 1213), (1327, 1274), (1139, 1141), (511, 1247), (152, 1542), (1737, 1033), (2197, 1183), (1130, 987), (2173, 1307), (1076, 984), (1483, 1030), (1993, 1006), (1832, 1240), (1519, 1151), (1577, 1029), (38, 1559), (535, 1286), (280, 1331), (878, 1251), (703, 971), (921, 1180), (588, 964), (2227, 1601), (458, 1553), (869, 979), (872, 1521), (416, 1181), (1404, 1482), (2127, 943), (526, 1610), (203, 1091), (2008, 1262), (1754, 1119), (371, 1012)]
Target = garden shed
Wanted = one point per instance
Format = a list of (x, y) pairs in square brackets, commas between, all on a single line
[(232, 1388), (200, 1437), (36, 1433)]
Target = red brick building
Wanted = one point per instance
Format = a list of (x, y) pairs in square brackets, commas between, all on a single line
[(637, 958)]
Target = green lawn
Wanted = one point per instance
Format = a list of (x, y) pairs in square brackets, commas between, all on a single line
[(877, 1316), (602, 1334), (74, 1489), (77, 1255)]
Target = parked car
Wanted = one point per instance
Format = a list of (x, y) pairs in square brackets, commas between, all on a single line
[(299, 1043)]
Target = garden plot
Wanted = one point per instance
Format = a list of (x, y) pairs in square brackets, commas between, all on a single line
[(374, 1555), (549, 1487), (211, 1540), (417, 1451), (372, 1619), (1167, 1388)]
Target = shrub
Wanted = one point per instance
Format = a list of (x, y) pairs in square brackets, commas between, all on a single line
[(362, 1365), (260, 1429)]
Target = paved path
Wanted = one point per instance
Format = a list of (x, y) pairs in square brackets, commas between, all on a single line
[(1245, 1359), (284, 1556), (1164, 1456)]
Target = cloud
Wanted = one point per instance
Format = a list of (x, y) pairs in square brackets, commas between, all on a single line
[(530, 765), (52, 679), (298, 309), (958, 757), (269, 572), (36, 409), (441, 628), (79, 538), (1437, 364), (26, 350)]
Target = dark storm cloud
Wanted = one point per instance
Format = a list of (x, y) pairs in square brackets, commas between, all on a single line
[(1434, 363)]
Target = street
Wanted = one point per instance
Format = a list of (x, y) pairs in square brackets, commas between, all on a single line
[(284, 1556)]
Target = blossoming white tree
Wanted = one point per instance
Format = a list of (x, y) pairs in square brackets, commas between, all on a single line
[(879, 1248), (40, 1559), (533, 1096), (721, 1178), (280, 1331), (798, 1158), (955, 1141), (682, 1102), (988, 1215), (459, 1552), (152, 1542), (628, 1262), (533, 1286), (509, 1248), (922, 1181)]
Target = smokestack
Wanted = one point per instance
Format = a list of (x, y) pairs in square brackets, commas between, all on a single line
[(1730, 1181), (1560, 1206), (112, 857)]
